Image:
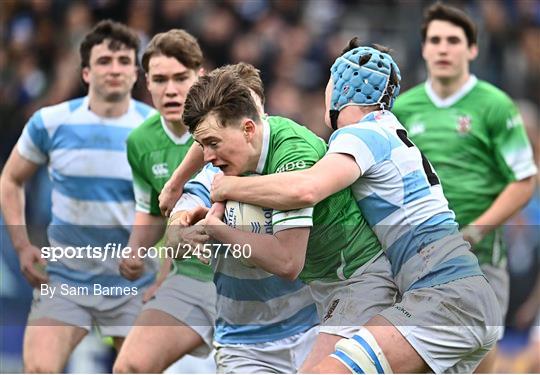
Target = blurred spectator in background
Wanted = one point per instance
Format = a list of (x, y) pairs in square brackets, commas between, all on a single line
[(287, 40)]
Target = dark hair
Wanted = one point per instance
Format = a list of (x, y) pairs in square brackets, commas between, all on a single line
[(442, 12), (222, 93), (174, 43), (248, 74), (118, 34), (355, 43)]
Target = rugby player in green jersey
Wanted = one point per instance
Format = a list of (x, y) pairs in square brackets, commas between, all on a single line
[(179, 318), (329, 246), (474, 137)]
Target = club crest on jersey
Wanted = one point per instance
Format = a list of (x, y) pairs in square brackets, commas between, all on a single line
[(464, 124), (160, 170)]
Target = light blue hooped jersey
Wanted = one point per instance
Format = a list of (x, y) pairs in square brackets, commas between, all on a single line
[(253, 306), (400, 196), (92, 193)]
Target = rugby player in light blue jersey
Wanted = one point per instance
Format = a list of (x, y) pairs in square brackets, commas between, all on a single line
[(264, 323), (448, 317), (83, 143)]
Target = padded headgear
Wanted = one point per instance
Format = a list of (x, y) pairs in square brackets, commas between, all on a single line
[(362, 77)]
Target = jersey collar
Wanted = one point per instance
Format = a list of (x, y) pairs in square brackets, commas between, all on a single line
[(452, 99), (173, 137), (106, 120), (265, 146)]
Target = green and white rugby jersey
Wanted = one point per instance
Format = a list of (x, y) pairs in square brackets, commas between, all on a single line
[(154, 152), (340, 240), (476, 141)]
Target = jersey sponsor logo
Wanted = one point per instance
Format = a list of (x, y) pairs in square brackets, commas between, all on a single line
[(331, 310), (160, 170), (266, 225), (402, 310), (464, 124), (268, 220), (291, 166)]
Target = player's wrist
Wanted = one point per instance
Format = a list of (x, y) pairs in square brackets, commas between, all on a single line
[(234, 184), (212, 225), (176, 217), (137, 252), (23, 247), (19, 238), (473, 233)]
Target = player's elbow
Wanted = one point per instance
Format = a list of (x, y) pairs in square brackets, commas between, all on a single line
[(291, 270), (523, 190), (529, 184)]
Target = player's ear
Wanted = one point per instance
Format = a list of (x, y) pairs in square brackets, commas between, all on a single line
[(86, 75), (424, 51), (249, 127), (147, 78), (200, 72), (473, 52)]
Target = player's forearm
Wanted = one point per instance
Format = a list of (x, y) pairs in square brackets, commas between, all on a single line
[(182, 236), (164, 270), (535, 294), (147, 230), (509, 202), (192, 162), (280, 191), (13, 202), (267, 251)]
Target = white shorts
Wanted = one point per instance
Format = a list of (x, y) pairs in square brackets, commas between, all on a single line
[(114, 316), (499, 279), (283, 356), (190, 301), (452, 326), (343, 306), (535, 330)]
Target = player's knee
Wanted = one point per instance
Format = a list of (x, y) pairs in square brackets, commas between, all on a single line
[(40, 367), (131, 365), (123, 365), (362, 355)]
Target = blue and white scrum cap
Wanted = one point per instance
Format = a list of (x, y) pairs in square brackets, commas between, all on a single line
[(361, 76)]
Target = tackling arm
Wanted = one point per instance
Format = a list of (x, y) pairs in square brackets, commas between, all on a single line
[(290, 190)]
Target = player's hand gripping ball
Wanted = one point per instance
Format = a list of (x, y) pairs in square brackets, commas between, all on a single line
[(248, 218)]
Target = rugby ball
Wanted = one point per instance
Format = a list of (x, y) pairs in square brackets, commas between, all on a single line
[(248, 218)]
